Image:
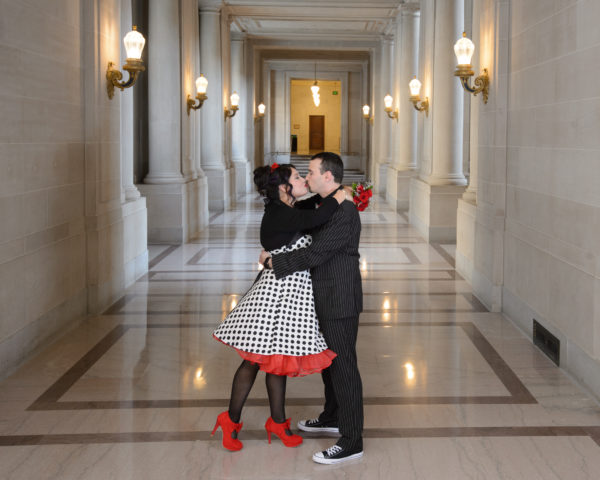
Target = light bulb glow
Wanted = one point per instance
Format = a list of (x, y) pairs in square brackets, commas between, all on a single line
[(366, 110), (415, 87), (464, 49), (410, 371), (235, 99), (261, 108), (315, 89), (201, 84), (134, 44), (317, 99), (388, 100)]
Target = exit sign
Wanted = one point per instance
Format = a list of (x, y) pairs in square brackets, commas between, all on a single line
[(334, 92)]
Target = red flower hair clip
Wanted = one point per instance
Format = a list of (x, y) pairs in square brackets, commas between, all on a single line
[(274, 167)]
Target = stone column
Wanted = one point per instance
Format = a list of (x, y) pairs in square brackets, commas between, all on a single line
[(214, 161), (404, 158), (238, 124), (384, 137), (434, 195), (447, 155), (133, 206), (164, 79), (171, 186), (129, 191)]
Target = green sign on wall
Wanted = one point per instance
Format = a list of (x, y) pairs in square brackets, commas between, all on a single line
[(334, 92)]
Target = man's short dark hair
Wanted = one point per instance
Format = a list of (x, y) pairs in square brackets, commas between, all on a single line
[(331, 162)]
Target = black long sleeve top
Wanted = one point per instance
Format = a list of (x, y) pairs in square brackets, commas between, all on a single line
[(281, 223)]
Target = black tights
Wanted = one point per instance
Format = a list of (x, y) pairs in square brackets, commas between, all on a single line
[(242, 384)]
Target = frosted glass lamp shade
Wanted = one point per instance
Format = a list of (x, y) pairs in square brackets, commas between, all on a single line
[(235, 99), (201, 84), (464, 49), (134, 44), (314, 89), (366, 110), (388, 100), (415, 87), (261, 109)]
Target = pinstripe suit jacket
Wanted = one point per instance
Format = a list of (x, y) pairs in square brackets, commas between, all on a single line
[(333, 262)]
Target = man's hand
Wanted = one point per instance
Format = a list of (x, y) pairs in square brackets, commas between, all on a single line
[(263, 257)]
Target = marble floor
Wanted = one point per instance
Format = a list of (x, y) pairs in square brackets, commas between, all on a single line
[(451, 390)]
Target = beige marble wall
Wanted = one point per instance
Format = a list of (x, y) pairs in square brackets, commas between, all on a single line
[(552, 204), (533, 246), (69, 241), (42, 239)]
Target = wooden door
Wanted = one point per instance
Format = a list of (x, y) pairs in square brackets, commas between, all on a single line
[(316, 132)]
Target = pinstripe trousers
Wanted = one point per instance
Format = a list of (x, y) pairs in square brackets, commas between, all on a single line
[(343, 386)]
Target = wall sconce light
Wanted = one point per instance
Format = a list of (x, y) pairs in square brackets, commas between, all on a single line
[(366, 113), (201, 86), (261, 112), (464, 49), (235, 101), (388, 100), (415, 88), (134, 45)]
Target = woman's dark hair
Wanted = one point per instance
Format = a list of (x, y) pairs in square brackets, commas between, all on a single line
[(267, 180)]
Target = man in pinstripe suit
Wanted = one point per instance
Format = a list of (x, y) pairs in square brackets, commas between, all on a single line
[(333, 261)]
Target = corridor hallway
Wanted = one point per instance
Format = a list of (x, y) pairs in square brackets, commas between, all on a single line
[(451, 390)]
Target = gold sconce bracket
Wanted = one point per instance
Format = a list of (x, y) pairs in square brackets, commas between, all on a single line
[(369, 119), (480, 84), (230, 113), (258, 117), (393, 114), (191, 102), (113, 76), (420, 105)]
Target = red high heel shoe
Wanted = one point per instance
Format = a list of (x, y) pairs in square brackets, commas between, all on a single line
[(228, 427), (279, 429)]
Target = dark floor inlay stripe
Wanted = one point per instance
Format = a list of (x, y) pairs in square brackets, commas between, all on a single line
[(444, 254), (194, 436), (49, 400), (159, 258)]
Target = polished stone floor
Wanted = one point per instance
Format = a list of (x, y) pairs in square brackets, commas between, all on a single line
[(451, 390)]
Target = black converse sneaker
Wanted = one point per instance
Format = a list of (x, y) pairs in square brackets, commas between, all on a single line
[(316, 425), (336, 454)]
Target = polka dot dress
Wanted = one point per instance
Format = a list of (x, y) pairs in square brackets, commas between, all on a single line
[(275, 320)]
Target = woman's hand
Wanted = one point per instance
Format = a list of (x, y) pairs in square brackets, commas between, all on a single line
[(349, 193), (340, 195)]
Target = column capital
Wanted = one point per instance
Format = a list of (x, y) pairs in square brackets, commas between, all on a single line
[(238, 36), (210, 6), (410, 9)]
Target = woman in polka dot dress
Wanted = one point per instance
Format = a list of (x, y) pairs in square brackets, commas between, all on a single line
[(274, 327)]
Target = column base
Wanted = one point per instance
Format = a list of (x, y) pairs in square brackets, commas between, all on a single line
[(221, 194), (479, 252), (397, 193), (135, 239), (176, 212), (433, 210), (380, 177), (243, 179)]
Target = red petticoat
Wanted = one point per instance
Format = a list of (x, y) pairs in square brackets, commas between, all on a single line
[(289, 365)]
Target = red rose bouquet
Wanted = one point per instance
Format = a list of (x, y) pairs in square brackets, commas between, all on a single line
[(362, 193)]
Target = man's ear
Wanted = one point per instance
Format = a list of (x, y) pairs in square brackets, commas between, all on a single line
[(328, 176)]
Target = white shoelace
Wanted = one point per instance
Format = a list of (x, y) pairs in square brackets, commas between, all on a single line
[(312, 421), (334, 450)]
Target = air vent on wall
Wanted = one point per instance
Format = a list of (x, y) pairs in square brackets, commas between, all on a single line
[(547, 342)]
